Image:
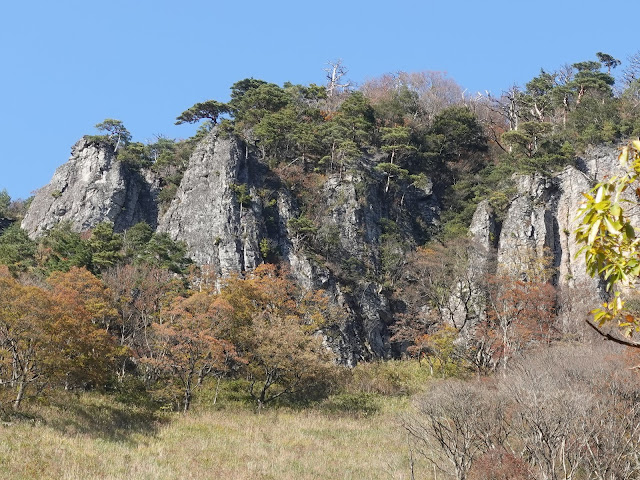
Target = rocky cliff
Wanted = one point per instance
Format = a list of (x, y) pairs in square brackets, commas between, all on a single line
[(90, 188), (540, 222), (234, 212)]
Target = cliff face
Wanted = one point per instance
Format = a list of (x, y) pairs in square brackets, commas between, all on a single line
[(90, 188), (234, 214), (205, 213), (541, 220)]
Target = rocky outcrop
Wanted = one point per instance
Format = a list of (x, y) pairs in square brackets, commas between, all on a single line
[(541, 220), (90, 188), (233, 213), (212, 210)]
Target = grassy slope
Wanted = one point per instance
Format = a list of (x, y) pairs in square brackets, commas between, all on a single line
[(97, 438)]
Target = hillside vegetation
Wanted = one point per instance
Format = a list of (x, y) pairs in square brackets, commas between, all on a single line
[(116, 348)]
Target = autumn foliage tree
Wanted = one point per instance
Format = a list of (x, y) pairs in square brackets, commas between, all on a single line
[(276, 327), (521, 305), (519, 312), (184, 348), (85, 353), (22, 338), (611, 245), (49, 337)]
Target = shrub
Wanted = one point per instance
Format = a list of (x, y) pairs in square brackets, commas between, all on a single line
[(357, 404)]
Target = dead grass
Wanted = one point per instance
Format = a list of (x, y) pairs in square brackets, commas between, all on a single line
[(94, 437)]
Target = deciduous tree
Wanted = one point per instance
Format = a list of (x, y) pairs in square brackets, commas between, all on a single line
[(184, 348), (276, 327), (456, 423), (49, 338)]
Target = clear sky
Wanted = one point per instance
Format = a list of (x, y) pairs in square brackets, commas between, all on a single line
[(66, 65)]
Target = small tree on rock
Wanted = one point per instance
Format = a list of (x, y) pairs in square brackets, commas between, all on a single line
[(115, 132)]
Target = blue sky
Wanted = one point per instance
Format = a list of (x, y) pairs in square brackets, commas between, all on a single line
[(69, 64)]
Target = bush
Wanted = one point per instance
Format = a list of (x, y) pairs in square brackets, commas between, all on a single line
[(498, 464), (356, 404), (392, 377)]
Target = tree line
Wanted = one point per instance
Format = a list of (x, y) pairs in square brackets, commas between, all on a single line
[(89, 310)]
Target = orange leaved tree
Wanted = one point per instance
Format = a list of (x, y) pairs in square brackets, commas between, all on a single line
[(185, 348), (277, 327), (49, 337)]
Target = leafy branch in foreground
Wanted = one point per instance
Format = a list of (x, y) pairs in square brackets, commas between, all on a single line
[(611, 245)]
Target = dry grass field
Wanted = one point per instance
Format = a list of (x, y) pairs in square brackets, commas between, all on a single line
[(95, 440), (93, 436)]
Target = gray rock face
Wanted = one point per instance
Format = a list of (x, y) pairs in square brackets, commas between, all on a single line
[(484, 234), (90, 188), (468, 304), (229, 207), (527, 230), (206, 214), (234, 213), (541, 220)]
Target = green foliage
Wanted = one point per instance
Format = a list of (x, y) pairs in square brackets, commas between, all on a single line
[(211, 109), (264, 248), (5, 201), (402, 104), (393, 171), (589, 78), (302, 226), (170, 159), (135, 240), (388, 378), (240, 88), (251, 105), (62, 248), (595, 121), (105, 247), (610, 242), (167, 194), (327, 239), (135, 155), (356, 118), (456, 135), (115, 132), (243, 195), (163, 252), (17, 250)]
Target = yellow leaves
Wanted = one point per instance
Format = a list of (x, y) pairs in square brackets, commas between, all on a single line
[(594, 230), (52, 332), (612, 227), (610, 244), (624, 157)]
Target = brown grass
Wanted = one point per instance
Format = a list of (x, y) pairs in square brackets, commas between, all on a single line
[(98, 438)]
